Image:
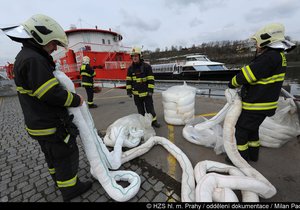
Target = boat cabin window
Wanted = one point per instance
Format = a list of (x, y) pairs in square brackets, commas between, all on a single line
[(163, 67), (198, 58), (103, 41), (207, 68), (216, 67)]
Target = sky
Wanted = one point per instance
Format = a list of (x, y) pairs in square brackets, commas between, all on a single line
[(153, 24)]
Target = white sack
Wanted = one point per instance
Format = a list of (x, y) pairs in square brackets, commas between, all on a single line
[(136, 127), (179, 104)]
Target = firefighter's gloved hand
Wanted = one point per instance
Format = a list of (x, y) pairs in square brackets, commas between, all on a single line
[(130, 95), (71, 127), (67, 131), (150, 94)]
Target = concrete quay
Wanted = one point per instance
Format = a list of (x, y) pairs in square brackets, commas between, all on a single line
[(24, 174)]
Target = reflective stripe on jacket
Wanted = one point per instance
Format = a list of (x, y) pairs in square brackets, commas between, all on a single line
[(42, 99), (261, 81), (140, 79), (87, 73)]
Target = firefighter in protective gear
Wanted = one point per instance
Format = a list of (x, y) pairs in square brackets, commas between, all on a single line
[(140, 84), (260, 83), (87, 73), (44, 102)]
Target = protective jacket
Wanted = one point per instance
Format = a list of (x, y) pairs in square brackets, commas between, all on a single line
[(87, 73), (42, 99), (140, 79), (261, 82)]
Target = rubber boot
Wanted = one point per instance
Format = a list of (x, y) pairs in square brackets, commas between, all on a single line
[(156, 124), (253, 153), (245, 154), (69, 193), (91, 106)]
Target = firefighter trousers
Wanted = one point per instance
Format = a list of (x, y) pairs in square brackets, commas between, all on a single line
[(247, 134), (145, 104), (90, 94), (63, 161)]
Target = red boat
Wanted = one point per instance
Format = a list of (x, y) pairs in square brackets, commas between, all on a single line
[(108, 57)]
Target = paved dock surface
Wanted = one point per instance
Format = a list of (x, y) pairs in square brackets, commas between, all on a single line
[(24, 174)]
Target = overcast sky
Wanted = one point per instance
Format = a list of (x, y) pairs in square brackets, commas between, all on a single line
[(156, 23)]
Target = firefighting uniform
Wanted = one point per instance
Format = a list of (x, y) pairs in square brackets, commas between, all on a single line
[(44, 103), (88, 73), (261, 83), (139, 83)]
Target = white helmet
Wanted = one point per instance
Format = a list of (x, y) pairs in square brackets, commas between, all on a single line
[(41, 28), (85, 60), (136, 50), (272, 35)]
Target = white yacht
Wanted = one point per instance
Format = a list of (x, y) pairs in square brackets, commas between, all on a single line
[(194, 67), (201, 63)]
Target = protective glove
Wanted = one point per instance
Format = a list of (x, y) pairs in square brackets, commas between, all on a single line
[(150, 94), (71, 127)]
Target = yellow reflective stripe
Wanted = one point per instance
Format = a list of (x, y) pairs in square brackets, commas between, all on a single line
[(128, 78), (24, 91), (67, 183), (248, 74), (86, 74), (83, 67), (269, 80), (69, 99), (45, 87), (234, 82), (154, 118), (51, 170), (254, 143), (259, 106), (283, 59), (128, 86), (87, 83), (151, 86), (66, 140), (138, 80), (41, 132), (150, 77), (242, 147), (135, 92), (94, 73), (143, 94), (90, 103)]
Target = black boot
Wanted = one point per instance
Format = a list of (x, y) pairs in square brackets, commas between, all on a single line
[(69, 193), (253, 153), (93, 106), (156, 124), (245, 154)]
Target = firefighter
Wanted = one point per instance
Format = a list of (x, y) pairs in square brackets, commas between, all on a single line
[(44, 102), (140, 84), (260, 83), (87, 73)]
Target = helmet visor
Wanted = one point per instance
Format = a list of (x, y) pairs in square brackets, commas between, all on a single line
[(17, 32)]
